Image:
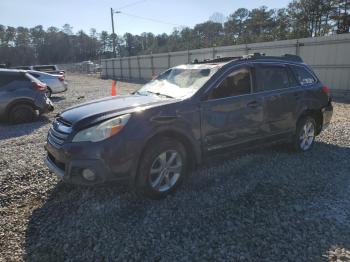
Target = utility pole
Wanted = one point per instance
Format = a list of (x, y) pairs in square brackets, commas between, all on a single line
[(112, 16), (112, 20)]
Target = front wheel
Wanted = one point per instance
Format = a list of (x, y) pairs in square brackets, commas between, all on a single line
[(162, 168), (305, 134)]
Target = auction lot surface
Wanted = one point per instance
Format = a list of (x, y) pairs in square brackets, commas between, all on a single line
[(264, 205)]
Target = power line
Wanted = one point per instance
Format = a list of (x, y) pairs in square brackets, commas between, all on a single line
[(151, 19), (134, 3)]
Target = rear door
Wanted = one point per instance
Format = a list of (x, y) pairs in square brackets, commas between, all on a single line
[(4, 81), (231, 114), (281, 94), (12, 86)]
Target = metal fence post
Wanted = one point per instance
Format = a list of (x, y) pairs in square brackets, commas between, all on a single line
[(297, 51), (169, 57), (247, 49), (113, 61), (121, 67), (214, 51), (138, 66), (129, 68), (106, 68), (152, 66), (298, 45)]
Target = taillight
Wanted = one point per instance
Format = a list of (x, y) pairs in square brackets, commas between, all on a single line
[(39, 86), (61, 78), (325, 90)]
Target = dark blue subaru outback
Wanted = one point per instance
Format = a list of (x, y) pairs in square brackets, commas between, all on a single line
[(154, 137)]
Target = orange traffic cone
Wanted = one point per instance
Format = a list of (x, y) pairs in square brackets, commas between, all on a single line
[(114, 89)]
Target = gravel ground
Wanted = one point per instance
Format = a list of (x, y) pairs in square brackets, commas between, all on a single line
[(263, 205)]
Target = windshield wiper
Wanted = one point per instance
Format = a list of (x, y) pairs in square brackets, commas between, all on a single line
[(159, 94)]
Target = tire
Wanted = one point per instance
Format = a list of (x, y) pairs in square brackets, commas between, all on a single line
[(22, 113), (48, 92), (305, 134), (162, 169)]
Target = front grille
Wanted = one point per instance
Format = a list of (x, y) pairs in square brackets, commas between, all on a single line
[(59, 132)]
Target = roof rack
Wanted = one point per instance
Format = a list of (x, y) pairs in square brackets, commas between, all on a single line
[(287, 57), (216, 60)]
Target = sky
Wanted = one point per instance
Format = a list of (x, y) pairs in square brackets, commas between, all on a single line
[(86, 14)]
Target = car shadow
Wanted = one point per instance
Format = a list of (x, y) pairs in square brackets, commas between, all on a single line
[(10, 131), (265, 205), (57, 98)]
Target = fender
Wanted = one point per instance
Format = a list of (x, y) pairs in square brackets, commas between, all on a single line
[(19, 101)]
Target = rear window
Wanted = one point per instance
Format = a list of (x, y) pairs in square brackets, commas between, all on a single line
[(32, 78), (35, 75), (45, 68), (304, 76), (271, 77)]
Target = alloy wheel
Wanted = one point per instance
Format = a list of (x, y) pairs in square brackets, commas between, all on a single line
[(307, 135), (165, 170)]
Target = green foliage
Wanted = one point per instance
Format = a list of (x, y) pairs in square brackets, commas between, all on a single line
[(301, 18)]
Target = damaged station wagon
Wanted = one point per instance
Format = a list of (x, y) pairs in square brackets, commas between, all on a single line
[(154, 137)]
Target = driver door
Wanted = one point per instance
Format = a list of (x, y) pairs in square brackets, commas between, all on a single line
[(231, 114)]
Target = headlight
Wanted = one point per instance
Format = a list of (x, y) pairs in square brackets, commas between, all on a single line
[(103, 130)]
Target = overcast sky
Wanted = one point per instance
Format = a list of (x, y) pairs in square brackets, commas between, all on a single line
[(86, 14)]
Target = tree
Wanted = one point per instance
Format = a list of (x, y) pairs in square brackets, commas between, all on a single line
[(301, 18), (209, 33), (235, 27), (67, 29), (217, 18)]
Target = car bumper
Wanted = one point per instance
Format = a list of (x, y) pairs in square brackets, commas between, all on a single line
[(327, 115), (63, 87), (69, 162), (44, 105)]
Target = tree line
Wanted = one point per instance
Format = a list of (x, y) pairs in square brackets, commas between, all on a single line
[(301, 18)]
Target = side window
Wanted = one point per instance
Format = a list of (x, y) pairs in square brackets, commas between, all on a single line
[(271, 77), (164, 75), (292, 80), (236, 83), (304, 77)]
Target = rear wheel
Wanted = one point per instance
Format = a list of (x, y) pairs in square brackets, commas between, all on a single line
[(48, 92), (22, 113), (162, 168), (305, 134)]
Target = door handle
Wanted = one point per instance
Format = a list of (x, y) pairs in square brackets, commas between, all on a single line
[(253, 104)]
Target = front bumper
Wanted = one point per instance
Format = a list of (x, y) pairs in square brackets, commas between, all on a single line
[(108, 163)]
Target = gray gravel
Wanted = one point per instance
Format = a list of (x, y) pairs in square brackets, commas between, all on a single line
[(263, 205)]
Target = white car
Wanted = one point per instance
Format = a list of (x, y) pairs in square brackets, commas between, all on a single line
[(55, 83)]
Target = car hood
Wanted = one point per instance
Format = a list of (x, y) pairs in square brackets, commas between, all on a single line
[(98, 110)]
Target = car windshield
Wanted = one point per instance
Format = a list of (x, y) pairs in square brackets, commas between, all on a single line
[(179, 82)]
